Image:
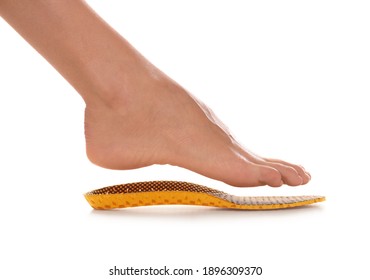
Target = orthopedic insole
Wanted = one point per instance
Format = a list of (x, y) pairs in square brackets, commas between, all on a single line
[(174, 192)]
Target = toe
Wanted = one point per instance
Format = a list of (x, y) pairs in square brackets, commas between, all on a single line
[(248, 174), (306, 176), (288, 174), (269, 176)]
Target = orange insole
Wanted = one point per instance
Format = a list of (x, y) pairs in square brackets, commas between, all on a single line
[(174, 192)]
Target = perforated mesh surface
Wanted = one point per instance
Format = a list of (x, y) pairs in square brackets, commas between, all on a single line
[(156, 186), (154, 189)]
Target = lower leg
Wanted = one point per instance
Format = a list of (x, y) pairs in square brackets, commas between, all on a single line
[(136, 115), (80, 45)]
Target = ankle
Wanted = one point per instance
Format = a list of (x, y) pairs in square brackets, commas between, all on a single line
[(131, 91)]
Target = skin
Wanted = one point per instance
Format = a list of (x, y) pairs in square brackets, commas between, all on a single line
[(136, 115)]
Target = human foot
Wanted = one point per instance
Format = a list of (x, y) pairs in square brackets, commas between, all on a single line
[(152, 120), (135, 115)]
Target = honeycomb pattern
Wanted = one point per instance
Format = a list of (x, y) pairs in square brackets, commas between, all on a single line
[(175, 192)]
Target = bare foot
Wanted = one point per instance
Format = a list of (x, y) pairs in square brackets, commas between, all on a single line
[(135, 115), (152, 120)]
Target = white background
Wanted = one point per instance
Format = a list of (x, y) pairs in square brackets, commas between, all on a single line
[(290, 79)]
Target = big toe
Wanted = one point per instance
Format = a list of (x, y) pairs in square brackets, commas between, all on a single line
[(244, 173), (269, 176), (306, 177)]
